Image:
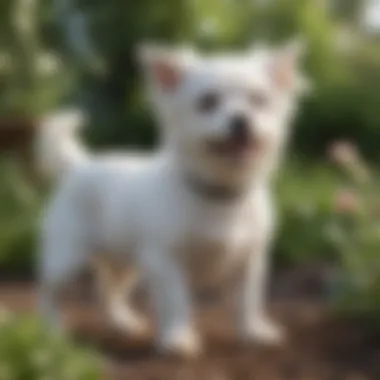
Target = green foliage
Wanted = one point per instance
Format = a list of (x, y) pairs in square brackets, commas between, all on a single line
[(357, 224), (29, 78), (335, 216), (19, 208), (92, 47), (29, 352), (305, 212)]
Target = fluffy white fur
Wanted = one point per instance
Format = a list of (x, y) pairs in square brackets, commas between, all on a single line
[(142, 210)]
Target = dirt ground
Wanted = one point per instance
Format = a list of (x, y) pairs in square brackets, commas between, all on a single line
[(318, 347)]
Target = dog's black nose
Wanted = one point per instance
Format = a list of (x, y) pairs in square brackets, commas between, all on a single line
[(239, 127)]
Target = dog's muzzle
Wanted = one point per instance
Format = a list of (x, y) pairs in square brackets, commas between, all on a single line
[(240, 142)]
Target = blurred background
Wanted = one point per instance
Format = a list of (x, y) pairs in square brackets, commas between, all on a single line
[(83, 52)]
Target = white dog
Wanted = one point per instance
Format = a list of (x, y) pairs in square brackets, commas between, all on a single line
[(202, 199)]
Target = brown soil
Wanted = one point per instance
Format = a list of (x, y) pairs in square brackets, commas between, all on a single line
[(318, 345)]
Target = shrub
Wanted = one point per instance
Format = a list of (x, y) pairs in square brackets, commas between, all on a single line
[(29, 352), (357, 224), (19, 207), (305, 206)]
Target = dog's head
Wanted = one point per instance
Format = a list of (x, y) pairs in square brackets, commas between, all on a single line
[(227, 116)]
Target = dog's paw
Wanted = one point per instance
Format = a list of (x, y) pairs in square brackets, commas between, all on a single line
[(128, 321), (264, 331), (184, 343)]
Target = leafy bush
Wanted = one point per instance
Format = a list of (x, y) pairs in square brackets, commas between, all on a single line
[(29, 352), (357, 289), (333, 215), (19, 208), (305, 215)]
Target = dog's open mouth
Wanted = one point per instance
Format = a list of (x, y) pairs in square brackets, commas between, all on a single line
[(237, 148)]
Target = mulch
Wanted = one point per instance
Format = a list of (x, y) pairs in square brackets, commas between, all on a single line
[(320, 346)]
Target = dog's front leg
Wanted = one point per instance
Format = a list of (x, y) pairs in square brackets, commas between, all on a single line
[(172, 303), (254, 323)]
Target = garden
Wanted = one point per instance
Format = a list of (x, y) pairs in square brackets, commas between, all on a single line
[(325, 279)]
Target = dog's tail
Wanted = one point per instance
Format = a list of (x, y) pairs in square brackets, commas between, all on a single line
[(57, 147)]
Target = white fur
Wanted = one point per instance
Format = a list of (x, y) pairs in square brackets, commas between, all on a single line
[(141, 210), (57, 149)]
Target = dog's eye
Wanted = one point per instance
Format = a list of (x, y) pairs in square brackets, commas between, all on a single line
[(259, 99), (208, 102)]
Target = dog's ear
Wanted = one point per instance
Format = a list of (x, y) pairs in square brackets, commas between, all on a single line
[(284, 67), (165, 67)]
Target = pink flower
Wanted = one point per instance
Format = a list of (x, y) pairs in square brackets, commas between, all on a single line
[(343, 153), (346, 202), (346, 155)]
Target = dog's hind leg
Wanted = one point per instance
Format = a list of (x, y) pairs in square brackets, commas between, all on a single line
[(116, 286), (64, 254)]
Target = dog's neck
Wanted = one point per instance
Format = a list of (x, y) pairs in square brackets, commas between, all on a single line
[(212, 190), (216, 189), (219, 188)]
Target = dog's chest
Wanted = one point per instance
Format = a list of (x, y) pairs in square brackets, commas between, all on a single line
[(218, 241)]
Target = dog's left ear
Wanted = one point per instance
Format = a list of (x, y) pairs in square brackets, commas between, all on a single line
[(164, 66), (284, 67)]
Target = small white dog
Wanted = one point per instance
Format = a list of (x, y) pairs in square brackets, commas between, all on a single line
[(202, 200)]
